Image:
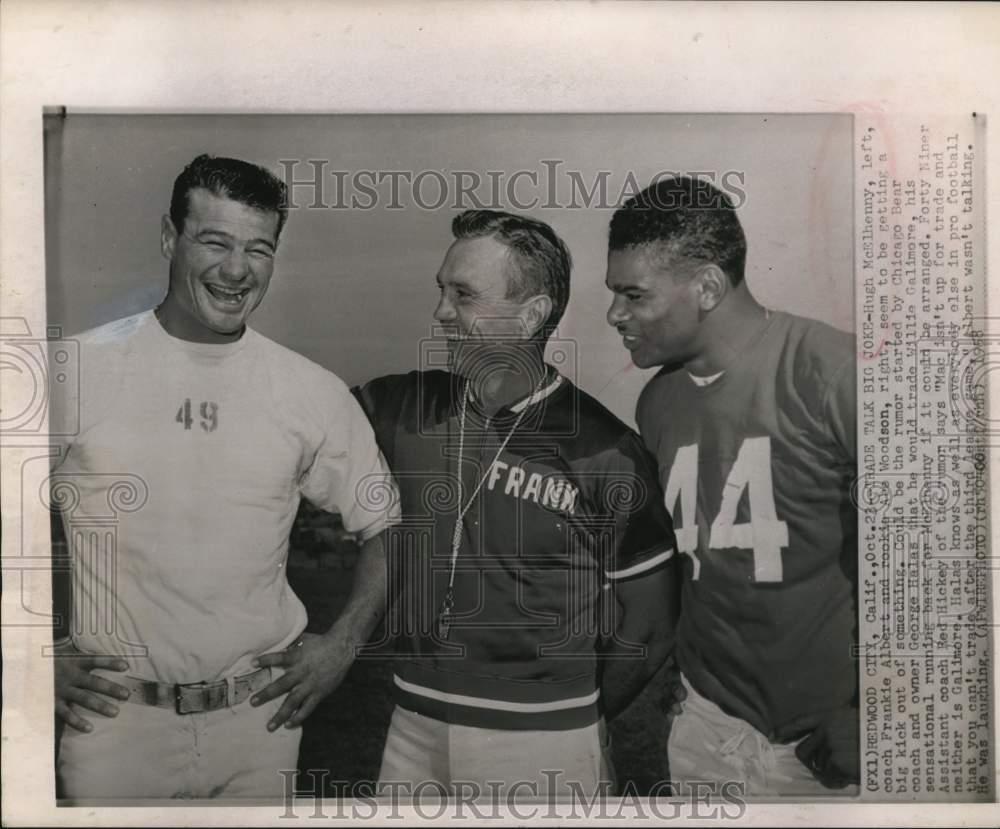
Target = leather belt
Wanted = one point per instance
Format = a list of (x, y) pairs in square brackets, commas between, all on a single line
[(195, 697)]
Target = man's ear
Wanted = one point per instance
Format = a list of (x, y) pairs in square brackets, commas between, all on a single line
[(168, 237), (537, 312), (713, 285)]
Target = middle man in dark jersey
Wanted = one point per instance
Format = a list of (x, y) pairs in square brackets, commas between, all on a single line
[(537, 554)]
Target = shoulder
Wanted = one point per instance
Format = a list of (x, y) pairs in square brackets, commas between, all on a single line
[(398, 390), (654, 395), (108, 351), (118, 333), (408, 383), (401, 402), (106, 356), (607, 457), (818, 339), (296, 375), (282, 355), (600, 429), (817, 354)]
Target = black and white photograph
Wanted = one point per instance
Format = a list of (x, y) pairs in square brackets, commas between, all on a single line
[(532, 461), (609, 339)]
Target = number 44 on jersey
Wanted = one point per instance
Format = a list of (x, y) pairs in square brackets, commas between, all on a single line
[(765, 535)]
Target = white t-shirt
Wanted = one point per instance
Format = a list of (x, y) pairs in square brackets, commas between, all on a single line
[(183, 483)]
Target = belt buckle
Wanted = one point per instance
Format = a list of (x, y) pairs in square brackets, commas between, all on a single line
[(204, 700)]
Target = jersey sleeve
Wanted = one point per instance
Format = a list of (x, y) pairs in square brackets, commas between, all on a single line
[(349, 474), (841, 409), (644, 534), (380, 401)]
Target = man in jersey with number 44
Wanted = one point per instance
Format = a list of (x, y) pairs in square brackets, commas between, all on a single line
[(752, 419)]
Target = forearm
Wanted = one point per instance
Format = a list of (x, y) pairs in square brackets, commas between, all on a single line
[(624, 676), (645, 626), (367, 602)]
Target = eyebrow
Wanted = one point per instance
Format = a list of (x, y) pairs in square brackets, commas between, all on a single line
[(454, 281), (626, 289)]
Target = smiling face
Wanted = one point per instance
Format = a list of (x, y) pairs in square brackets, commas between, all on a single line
[(483, 327), (221, 263), (656, 309)]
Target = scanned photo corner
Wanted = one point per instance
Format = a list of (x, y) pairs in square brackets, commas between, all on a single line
[(479, 472)]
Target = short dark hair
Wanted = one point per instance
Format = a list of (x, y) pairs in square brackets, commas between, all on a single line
[(687, 218), (543, 262), (229, 178)]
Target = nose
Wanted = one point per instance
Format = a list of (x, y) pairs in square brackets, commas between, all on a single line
[(617, 313), (236, 265), (445, 311)]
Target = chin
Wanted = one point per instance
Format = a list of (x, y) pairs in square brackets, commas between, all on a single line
[(640, 360), (229, 328)]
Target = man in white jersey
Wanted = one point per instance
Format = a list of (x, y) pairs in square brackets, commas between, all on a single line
[(752, 419), (215, 433)]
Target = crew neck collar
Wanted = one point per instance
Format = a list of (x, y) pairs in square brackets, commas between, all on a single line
[(554, 381), (537, 396), (208, 350), (705, 380), (720, 379)]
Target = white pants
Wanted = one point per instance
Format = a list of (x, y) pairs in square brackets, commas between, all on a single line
[(707, 744), (427, 757), (155, 753)]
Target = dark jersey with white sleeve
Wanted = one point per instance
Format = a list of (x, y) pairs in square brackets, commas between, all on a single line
[(570, 506)]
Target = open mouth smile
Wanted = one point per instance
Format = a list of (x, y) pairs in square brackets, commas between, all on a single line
[(227, 296)]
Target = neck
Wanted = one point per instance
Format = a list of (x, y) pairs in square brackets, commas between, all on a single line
[(178, 324), (728, 331), (501, 388)]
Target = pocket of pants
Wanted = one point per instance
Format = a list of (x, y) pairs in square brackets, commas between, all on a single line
[(607, 771), (604, 734)]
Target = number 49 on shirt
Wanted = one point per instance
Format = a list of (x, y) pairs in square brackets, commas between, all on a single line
[(209, 415), (765, 535)]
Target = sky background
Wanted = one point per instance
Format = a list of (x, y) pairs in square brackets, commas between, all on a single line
[(354, 288)]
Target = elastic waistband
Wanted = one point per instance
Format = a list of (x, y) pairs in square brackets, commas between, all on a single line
[(555, 714)]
